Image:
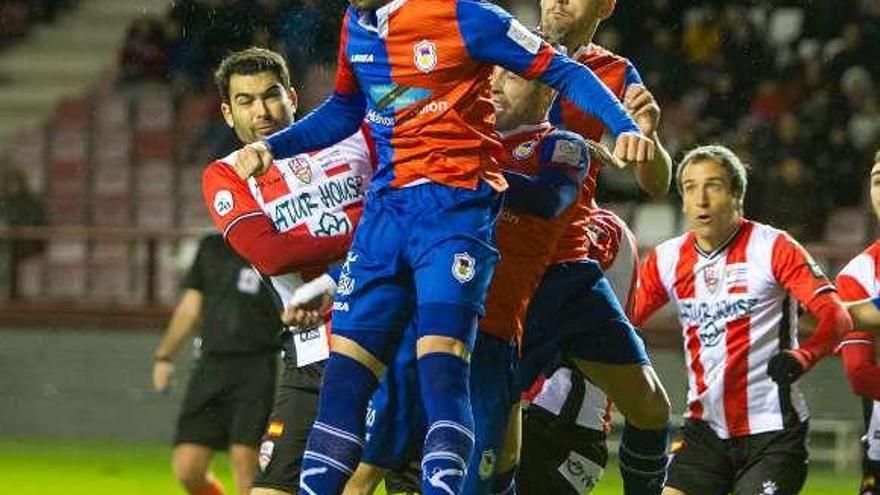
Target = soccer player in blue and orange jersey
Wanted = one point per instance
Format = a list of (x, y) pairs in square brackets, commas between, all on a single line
[(598, 336), (545, 169), (418, 70)]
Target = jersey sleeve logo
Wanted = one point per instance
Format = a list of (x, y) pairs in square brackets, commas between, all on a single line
[(425, 56), (528, 40), (463, 267), (223, 202), (566, 152)]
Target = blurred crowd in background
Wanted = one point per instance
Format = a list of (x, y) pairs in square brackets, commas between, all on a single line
[(791, 85)]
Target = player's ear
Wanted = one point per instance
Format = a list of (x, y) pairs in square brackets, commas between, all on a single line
[(226, 110), (607, 9), (294, 99)]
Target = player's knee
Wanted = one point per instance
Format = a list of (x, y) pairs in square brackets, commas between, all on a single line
[(193, 480), (446, 328), (348, 347)]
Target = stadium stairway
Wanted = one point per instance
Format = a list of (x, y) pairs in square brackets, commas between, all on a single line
[(64, 58)]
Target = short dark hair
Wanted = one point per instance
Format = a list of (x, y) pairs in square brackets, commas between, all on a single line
[(722, 155), (247, 62)]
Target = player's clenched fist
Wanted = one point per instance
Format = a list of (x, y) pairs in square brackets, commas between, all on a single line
[(253, 160), (634, 148), (643, 108)]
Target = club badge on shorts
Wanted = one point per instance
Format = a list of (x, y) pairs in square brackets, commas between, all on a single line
[(463, 267), (266, 450)]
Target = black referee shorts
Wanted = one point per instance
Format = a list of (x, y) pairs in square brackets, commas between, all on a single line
[(773, 462), (227, 401), (284, 440)]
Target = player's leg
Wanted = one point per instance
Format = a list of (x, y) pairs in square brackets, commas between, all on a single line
[(251, 400), (453, 258), (607, 349), (393, 421), (243, 459), (372, 307), (493, 396), (775, 463), (284, 438), (871, 449), (202, 428), (191, 463), (507, 467), (564, 450), (702, 463)]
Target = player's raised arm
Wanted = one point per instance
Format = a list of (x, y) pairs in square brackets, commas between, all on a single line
[(565, 159), (655, 175), (338, 117), (491, 35), (796, 270), (251, 232)]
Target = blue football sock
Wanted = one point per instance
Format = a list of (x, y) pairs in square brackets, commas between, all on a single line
[(643, 460), (337, 437), (449, 442)]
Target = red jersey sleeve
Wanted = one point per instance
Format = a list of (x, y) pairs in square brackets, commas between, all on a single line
[(650, 294), (858, 348), (796, 270), (251, 233), (227, 196)]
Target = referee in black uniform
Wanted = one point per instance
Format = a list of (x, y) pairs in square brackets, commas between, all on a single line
[(231, 387)]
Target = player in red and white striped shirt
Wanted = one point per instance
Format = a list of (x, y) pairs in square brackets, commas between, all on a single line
[(860, 279), (737, 285)]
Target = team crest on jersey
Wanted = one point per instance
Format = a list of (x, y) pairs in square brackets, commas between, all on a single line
[(266, 450), (711, 278), (425, 55), (463, 267), (487, 464), (524, 150), (301, 170)]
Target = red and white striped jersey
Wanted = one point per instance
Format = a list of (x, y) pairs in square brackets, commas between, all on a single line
[(317, 194), (738, 308), (860, 278)]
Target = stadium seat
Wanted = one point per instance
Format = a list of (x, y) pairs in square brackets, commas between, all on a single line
[(66, 260), (655, 223), (846, 226), (112, 210)]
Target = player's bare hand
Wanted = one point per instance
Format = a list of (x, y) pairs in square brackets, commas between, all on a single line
[(253, 160), (309, 314), (162, 372), (643, 108), (634, 148), (600, 153)]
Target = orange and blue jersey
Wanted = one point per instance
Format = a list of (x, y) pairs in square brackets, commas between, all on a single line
[(527, 242), (617, 73), (418, 71)]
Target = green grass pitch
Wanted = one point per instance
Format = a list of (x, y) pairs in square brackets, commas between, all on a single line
[(40, 467)]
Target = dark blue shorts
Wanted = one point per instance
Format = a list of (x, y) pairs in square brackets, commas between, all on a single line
[(575, 314), (419, 245), (396, 422)]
